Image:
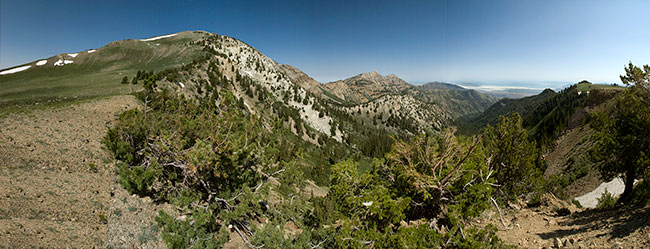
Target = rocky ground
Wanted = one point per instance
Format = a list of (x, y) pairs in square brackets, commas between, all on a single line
[(552, 226), (57, 185)]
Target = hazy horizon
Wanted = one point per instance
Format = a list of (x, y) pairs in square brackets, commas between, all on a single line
[(516, 43)]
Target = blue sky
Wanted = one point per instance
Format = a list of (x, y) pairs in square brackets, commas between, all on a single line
[(526, 43)]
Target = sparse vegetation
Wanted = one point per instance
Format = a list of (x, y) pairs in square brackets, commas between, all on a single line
[(606, 201)]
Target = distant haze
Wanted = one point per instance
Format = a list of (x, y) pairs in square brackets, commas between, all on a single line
[(490, 42)]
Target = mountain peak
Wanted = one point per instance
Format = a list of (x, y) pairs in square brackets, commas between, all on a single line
[(375, 77), (371, 75)]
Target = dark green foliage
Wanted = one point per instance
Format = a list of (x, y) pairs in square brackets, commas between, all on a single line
[(545, 115), (576, 203), (551, 117), (420, 181), (271, 236), (125, 80), (606, 201), (138, 179), (182, 141), (624, 136), (215, 155), (505, 107), (356, 192), (516, 160), (641, 194), (196, 231), (125, 149), (402, 122)]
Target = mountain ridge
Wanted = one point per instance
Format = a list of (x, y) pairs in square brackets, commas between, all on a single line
[(440, 85), (109, 64)]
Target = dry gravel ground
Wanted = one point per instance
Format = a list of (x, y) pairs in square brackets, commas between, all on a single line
[(58, 187), (545, 227)]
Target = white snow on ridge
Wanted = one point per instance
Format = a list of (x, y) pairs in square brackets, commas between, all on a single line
[(15, 70), (40, 63), (73, 55), (158, 37), (62, 62), (614, 187), (91, 51)]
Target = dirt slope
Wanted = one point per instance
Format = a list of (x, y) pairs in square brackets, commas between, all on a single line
[(56, 183), (546, 227)]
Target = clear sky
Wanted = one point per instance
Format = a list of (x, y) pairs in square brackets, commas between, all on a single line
[(518, 42)]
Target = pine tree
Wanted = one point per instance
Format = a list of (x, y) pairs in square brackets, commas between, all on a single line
[(624, 137), (515, 159)]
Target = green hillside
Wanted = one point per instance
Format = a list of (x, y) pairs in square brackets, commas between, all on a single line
[(460, 102), (505, 107), (97, 73), (544, 114)]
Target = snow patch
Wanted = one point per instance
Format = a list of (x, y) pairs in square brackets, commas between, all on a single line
[(181, 84), (91, 51), (15, 70), (40, 63), (73, 55), (615, 187), (158, 37), (62, 62)]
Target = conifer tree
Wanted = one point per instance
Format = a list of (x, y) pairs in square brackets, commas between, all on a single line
[(623, 137)]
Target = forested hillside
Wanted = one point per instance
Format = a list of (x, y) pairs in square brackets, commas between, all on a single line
[(245, 152)]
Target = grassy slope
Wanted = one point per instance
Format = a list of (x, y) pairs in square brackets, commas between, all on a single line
[(96, 74)]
